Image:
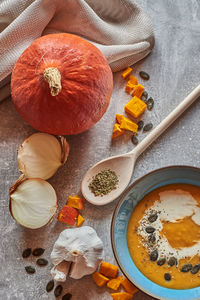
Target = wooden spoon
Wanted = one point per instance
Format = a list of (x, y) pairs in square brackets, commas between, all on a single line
[(123, 165)]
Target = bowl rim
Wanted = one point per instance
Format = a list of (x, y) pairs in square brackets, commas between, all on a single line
[(122, 197)]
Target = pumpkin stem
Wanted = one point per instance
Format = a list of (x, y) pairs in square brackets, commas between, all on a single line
[(53, 77)]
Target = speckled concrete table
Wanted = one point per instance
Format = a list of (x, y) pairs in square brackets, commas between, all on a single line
[(174, 66)]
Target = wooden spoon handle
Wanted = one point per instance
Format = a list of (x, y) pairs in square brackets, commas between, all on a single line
[(154, 134)]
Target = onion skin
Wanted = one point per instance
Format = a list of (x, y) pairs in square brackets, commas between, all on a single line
[(14, 187), (86, 81)]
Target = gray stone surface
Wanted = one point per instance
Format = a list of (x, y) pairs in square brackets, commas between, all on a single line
[(174, 66)]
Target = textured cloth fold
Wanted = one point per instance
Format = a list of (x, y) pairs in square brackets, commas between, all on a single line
[(119, 28)]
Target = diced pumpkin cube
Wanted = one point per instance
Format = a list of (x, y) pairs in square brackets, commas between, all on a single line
[(138, 90), (108, 269), (68, 215), (117, 131), (115, 283), (129, 125), (121, 296), (80, 221), (119, 118), (129, 87), (127, 72), (133, 80), (99, 279), (75, 201), (135, 107), (128, 286), (131, 84), (126, 123)]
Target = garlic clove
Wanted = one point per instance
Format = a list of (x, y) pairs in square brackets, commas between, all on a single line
[(58, 275), (82, 247), (41, 154), (80, 268), (60, 272), (33, 202)]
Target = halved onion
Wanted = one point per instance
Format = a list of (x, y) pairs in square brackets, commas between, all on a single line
[(33, 202), (41, 154)]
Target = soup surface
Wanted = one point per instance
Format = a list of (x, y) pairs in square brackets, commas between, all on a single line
[(164, 236)]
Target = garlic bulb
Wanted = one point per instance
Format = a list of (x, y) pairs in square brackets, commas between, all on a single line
[(33, 202), (80, 246), (41, 154)]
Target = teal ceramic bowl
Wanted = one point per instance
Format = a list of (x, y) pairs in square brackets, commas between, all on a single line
[(122, 213)]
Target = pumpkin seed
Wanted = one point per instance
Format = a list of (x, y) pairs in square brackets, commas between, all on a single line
[(38, 251), (152, 218), (67, 296), (41, 262), (186, 268), (50, 286), (144, 95), (161, 261), (167, 276), (149, 229), (140, 124), (172, 261), (195, 269), (151, 238), (58, 290), (148, 127), (134, 140), (26, 253), (150, 103), (143, 99), (30, 269), (144, 75), (154, 255)]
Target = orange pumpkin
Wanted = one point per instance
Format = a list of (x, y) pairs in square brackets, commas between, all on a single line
[(61, 84)]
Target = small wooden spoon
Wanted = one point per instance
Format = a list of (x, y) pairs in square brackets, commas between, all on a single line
[(123, 165)]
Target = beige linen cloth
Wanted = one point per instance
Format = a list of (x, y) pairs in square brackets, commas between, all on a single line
[(119, 28)]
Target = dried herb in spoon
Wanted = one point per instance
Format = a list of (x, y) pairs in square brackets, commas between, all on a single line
[(103, 183)]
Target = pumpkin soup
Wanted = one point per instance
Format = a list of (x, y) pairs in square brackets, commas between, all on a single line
[(164, 236)]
